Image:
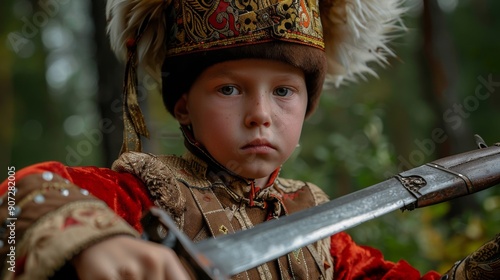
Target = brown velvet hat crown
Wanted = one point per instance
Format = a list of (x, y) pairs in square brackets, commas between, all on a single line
[(177, 39)]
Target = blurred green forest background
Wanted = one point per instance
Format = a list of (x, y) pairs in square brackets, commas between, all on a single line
[(60, 100)]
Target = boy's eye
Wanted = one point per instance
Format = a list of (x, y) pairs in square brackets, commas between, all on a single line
[(229, 90), (283, 91)]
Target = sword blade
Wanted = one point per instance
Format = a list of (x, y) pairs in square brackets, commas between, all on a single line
[(267, 241)]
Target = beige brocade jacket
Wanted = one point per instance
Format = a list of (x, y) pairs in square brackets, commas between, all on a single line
[(61, 211)]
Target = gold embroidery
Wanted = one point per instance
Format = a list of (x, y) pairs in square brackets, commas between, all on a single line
[(54, 238), (223, 229), (214, 24), (296, 254), (47, 186), (159, 175)]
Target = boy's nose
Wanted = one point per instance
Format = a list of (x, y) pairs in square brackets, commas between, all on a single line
[(258, 111)]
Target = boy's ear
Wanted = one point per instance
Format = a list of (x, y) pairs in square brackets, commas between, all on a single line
[(181, 111)]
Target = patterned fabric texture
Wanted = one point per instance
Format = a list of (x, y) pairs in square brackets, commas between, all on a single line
[(482, 264), (199, 25)]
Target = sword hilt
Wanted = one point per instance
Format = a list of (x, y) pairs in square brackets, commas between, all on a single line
[(160, 228), (454, 176)]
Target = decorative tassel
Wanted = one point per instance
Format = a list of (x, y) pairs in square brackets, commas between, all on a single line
[(133, 119), (128, 22)]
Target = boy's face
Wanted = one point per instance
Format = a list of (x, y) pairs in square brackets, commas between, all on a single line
[(247, 113)]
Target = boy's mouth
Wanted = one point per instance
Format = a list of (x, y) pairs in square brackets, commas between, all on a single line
[(258, 145)]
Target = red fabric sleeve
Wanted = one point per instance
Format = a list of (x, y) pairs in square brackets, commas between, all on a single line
[(124, 193), (354, 262)]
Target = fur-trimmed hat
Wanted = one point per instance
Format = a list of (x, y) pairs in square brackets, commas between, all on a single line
[(330, 40)]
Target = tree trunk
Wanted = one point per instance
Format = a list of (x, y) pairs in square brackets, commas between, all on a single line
[(110, 84), (441, 90)]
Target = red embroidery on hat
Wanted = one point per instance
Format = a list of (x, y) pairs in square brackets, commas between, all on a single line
[(304, 16), (223, 19)]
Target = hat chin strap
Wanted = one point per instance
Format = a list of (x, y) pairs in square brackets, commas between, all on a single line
[(198, 150)]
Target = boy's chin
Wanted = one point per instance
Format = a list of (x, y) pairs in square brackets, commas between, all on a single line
[(257, 172)]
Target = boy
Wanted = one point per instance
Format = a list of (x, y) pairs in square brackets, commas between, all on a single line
[(240, 77)]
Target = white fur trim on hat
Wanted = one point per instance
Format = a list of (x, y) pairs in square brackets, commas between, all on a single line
[(357, 32)]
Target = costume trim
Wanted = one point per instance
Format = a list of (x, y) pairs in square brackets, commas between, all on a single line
[(213, 213), (160, 178), (58, 236)]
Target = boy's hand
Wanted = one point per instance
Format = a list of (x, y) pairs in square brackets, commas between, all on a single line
[(123, 257)]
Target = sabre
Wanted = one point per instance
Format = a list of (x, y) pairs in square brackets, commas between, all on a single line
[(435, 182)]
